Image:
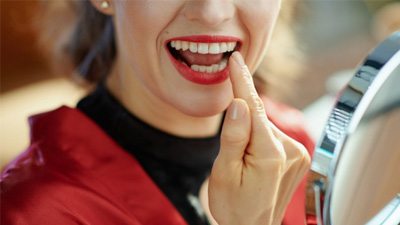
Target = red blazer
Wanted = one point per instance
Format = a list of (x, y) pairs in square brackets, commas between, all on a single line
[(73, 173)]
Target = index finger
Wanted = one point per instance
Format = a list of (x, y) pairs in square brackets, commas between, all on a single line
[(243, 87)]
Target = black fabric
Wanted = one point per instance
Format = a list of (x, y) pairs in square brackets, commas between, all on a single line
[(177, 165)]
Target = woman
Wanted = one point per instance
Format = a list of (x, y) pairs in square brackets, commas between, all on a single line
[(140, 148)]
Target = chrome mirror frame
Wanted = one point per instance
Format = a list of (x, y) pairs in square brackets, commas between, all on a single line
[(350, 107)]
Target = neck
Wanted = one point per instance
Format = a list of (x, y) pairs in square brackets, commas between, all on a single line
[(156, 112)]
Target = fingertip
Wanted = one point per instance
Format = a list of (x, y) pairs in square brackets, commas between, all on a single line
[(242, 81), (238, 58), (238, 65)]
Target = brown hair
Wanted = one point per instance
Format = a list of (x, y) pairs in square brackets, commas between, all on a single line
[(279, 72), (85, 45), (88, 45)]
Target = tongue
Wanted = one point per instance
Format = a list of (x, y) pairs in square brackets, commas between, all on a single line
[(201, 59)]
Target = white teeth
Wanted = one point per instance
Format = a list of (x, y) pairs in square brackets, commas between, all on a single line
[(195, 67), (178, 45), (231, 46), (215, 68), (223, 47), (202, 68), (185, 45), (214, 48), (193, 47), (222, 64), (204, 48), (210, 69)]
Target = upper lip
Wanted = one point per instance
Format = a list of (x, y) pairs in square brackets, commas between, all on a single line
[(206, 38)]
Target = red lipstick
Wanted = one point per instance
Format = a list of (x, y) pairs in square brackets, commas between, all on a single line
[(206, 38)]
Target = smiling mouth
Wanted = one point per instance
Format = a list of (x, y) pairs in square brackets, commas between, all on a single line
[(204, 57)]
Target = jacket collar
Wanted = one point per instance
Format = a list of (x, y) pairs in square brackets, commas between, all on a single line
[(72, 144)]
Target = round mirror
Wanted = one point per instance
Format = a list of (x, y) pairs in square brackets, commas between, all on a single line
[(359, 150)]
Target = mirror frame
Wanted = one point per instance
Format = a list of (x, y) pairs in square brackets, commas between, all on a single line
[(348, 112)]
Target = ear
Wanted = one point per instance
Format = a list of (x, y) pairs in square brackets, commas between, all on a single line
[(104, 6)]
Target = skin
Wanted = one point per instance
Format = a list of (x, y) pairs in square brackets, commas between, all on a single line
[(143, 71), (258, 166)]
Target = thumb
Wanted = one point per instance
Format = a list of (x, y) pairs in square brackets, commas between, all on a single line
[(235, 133)]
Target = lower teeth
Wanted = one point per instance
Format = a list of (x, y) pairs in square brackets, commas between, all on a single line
[(210, 69)]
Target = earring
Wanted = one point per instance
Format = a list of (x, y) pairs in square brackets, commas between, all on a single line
[(104, 5)]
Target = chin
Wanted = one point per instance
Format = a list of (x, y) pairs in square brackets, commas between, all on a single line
[(204, 108)]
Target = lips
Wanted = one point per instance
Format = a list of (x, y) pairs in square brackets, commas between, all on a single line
[(202, 59)]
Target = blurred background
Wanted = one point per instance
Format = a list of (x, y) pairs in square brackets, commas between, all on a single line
[(333, 37)]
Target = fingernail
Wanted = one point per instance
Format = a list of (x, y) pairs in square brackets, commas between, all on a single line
[(238, 58), (236, 110)]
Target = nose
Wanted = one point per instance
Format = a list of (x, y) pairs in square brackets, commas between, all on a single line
[(210, 13)]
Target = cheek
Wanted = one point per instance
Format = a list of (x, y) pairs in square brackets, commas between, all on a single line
[(146, 18), (259, 18), (259, 14), (139, 45)]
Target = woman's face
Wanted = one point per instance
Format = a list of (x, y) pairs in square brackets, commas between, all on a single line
[(176, 50)]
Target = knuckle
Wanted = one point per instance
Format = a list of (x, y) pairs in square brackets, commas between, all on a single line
[(306, 160), (245, 70), (258, 104), (281, 156), (299, 159), (280, 149), (247, 76), (302, 154)]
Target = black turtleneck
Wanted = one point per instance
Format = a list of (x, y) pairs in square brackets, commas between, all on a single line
[(177, 165)]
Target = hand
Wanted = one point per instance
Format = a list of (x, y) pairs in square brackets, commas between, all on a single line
[(258, 167)]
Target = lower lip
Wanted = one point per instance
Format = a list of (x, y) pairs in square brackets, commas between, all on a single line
[(199, 77)]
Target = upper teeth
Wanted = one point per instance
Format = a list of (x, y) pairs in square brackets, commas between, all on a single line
[(204, 48)]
